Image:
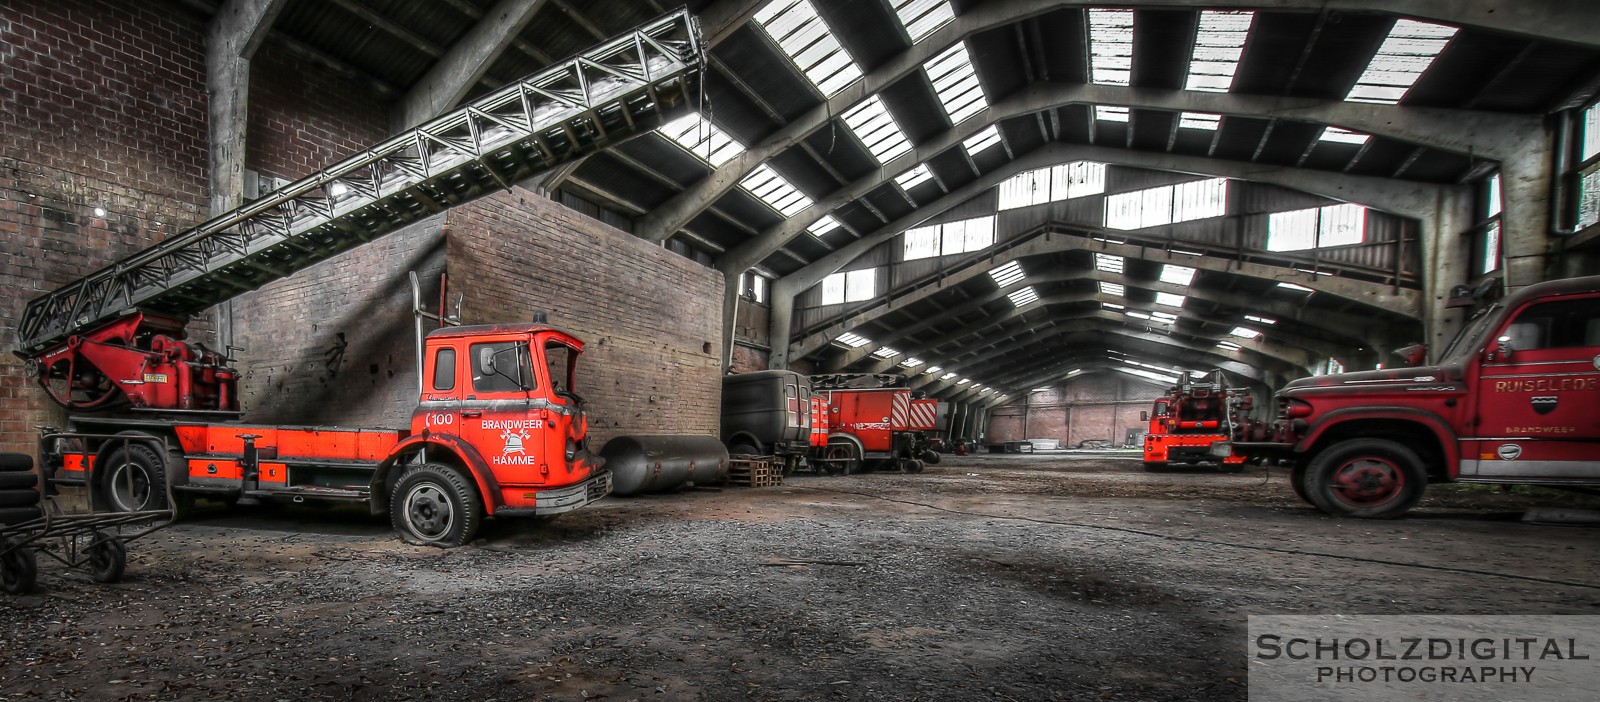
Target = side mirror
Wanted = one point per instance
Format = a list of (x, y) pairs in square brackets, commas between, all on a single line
[(1502, 347), (1413, 355), (486, 361), (1144, 416)]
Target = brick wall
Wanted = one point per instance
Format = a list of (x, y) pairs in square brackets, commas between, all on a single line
[(1096, 406), (102, 105), (651, 319), (304, 118)]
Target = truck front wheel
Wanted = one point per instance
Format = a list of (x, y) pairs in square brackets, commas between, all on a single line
[(1365, 478), (434, 505), (1297, 482), (135, 478)]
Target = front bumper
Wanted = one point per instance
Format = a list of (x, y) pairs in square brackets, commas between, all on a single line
[(566, 499)]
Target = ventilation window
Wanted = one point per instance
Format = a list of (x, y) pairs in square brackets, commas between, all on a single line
[(853, 286), (810, 46), (1401, 60), (1217, 46)]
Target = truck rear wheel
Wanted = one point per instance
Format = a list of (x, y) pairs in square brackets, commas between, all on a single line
[(434, 505), (842, 458), (134, 478), (1366, 478)]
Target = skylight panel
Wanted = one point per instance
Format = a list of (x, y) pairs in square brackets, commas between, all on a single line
[(1164, 316), (1141, 373), (947, 376), (1024, 296), (823, 225), (1262, 320), (1217, 46), (1177, 275), (1245, 333), (806, 40), (1107, 263), (885, 352), (876, 129), (982, 140), (933, 369), (1111, 288), (702, 138), (1343, 136), (771, 188), (1008, 274), (1138, 314), (1110, 46), (963, 381), (922, 17), (1112, 306), (956, 83), (1199, 120), (1169, 299), (1228, 345), (853, 340), (912, 362), (1404, 56), (1296, 288), (918, 175), (1110, 114)]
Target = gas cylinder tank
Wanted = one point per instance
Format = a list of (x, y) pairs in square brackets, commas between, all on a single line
[(646, 464)]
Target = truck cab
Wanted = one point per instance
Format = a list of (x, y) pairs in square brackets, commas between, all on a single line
[(1514, 399)]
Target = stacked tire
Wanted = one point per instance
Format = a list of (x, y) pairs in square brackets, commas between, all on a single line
[(19, 503)]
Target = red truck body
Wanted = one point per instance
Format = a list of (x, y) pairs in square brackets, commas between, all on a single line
[(1515, 399), (879, 426), (496, 432), (1197, 422)]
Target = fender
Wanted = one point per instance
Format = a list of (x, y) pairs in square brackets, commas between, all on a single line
[(861, 448), (1440, 429), (465, 453), (747, 438)]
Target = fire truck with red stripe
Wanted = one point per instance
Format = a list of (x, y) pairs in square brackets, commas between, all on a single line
[(498, 430), (874, 422), (1199, 422), (1513, 400)]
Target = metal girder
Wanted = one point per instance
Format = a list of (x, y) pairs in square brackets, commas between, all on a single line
[(1271, 356), (616, 90), (1097, 334), (1279, 338), (1371, 294), (1447, 129), (1355, 327), (452, 77)]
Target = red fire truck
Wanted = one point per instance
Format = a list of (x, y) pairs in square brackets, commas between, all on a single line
[(869, 424), (497, 431), (1514, 399), (1198, 422)]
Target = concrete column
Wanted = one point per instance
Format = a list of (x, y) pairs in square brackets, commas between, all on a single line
[(1444, 265), (1526, 184)]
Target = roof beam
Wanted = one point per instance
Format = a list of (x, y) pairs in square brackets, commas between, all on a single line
[(452, 77), (1388, 120)]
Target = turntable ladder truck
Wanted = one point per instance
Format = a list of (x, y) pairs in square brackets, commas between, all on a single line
[(497, 430)]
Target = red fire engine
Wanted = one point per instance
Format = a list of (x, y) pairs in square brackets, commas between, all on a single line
[(1198, 422), (497, 430), (870, 424)]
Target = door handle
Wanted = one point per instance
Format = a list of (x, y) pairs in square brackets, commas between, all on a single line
[(471, 413)]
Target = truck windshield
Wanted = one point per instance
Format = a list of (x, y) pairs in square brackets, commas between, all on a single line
[(1470, 332), (561, 361)]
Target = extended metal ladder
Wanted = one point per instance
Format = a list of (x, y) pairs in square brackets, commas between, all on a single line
[(617, 90)]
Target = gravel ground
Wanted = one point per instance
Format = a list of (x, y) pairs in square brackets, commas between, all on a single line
[(1016, 577)]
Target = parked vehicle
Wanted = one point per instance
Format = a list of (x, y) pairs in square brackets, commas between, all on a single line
[(1198, 422), (770, 413), (870, 425), (498, 429), (1513, 400)]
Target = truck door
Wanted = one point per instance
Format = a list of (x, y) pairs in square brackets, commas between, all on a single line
[(495, 410), (1538, 395)]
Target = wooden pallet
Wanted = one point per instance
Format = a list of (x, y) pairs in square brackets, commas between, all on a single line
[(754, 471)]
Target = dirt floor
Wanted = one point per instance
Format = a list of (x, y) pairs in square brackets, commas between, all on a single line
[(1019, 577)]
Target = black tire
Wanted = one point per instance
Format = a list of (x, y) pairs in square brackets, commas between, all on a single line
[(435, 505), (108, 558), (19, 571), (743, 448), (1366, 479), (1297, 482), (931, 457), (15, 462), (916, 466), (1157, 466), (19, 498), (19, 481), (18, 515), (148, 469), (844, 458)]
